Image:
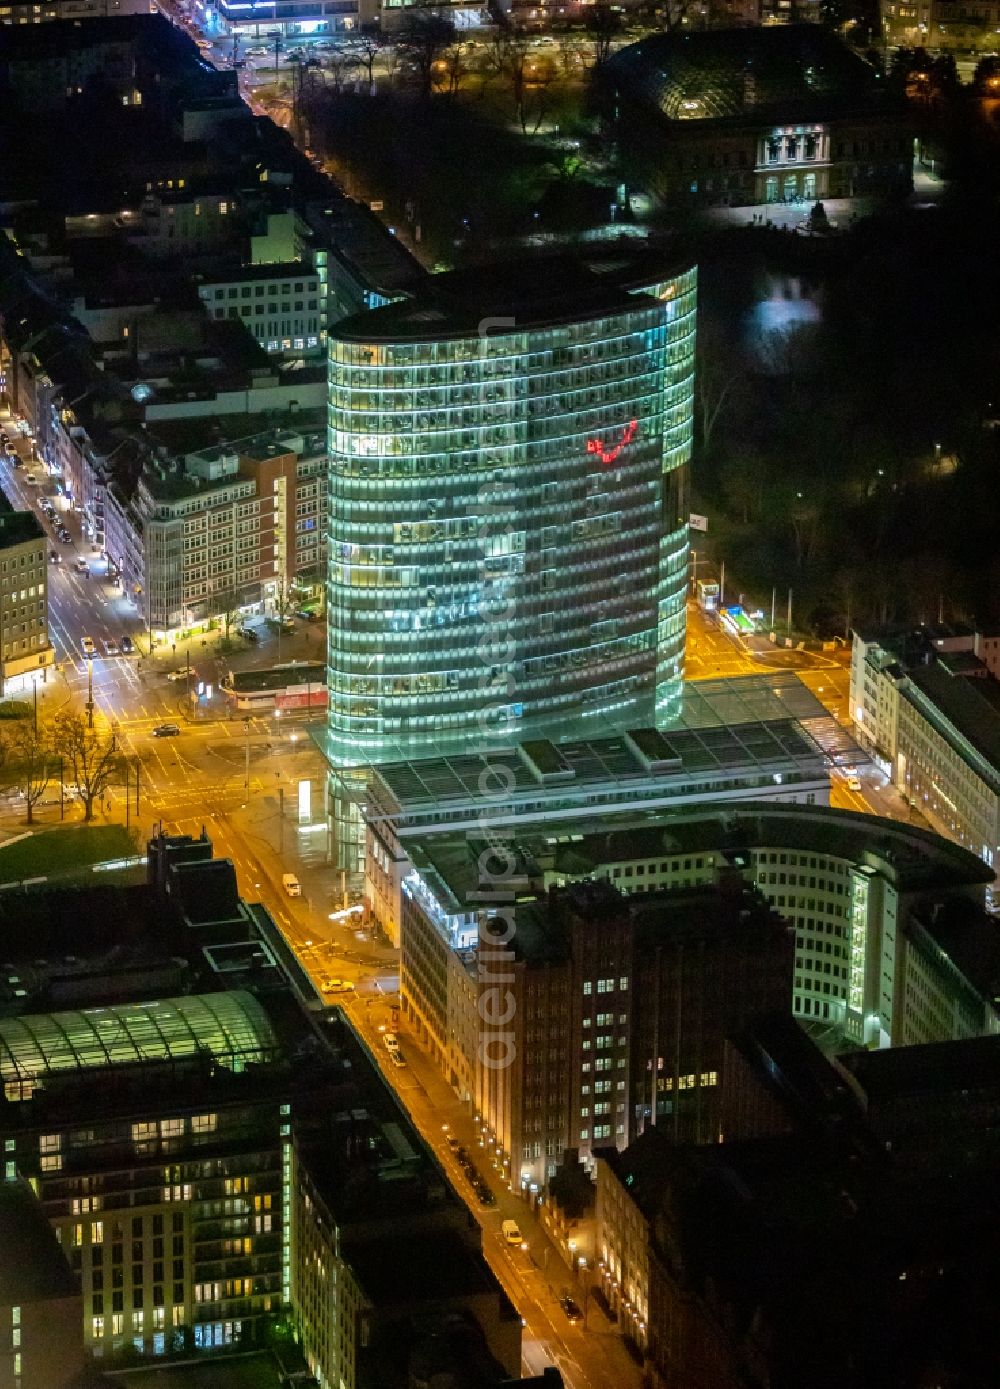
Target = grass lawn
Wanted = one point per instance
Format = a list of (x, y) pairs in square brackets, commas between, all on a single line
[(51, 853)]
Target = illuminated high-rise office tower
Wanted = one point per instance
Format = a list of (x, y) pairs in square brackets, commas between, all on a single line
[(507, 509)]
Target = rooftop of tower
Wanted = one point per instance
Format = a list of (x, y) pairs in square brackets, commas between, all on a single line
[(508, 296)]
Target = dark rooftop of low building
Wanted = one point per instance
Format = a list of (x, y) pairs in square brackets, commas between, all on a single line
[(33, 1267), (17, 527), (934, 1068), (784, 72), (534, 292), (273, 270), (459, 1270)]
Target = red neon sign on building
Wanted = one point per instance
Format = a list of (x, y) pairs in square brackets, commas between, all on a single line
[(609, 456)]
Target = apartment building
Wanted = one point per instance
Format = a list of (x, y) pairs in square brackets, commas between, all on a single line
[(281, 305), (892, 945), (230, 527), (957, 26), (931, 721), (28, 12), (214, 1158), (25, 648)]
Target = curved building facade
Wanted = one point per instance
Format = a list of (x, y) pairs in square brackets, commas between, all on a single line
[(507, 509)]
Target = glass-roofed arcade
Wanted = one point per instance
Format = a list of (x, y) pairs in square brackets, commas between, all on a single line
[(231, 1029)]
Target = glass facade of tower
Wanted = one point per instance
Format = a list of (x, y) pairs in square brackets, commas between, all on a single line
[(507, 512)]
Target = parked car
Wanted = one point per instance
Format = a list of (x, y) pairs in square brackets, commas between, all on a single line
[(31, 480), (572, 1311), (126, 641), (306, 615), (181, 674), (166, 730), (248, 634), (88, 646), (484, 1195), (398, 1059)]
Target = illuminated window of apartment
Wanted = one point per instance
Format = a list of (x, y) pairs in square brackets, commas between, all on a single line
[(204, 1123)]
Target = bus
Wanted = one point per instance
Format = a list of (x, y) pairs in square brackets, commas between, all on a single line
[(294, 685)]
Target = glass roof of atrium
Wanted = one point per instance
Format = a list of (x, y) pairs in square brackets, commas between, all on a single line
[(714, 74), (231, 1028)]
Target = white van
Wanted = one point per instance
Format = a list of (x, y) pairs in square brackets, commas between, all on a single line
[(291, 884), (511, 1232)]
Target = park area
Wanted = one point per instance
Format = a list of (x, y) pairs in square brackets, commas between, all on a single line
[(63, 854)]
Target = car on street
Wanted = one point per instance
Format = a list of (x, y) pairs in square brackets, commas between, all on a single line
[(110, 646), (88, 646), (82, 565), (166, 730), (291, 885), (390, 1040), (484, 1195), (16, 462), (126, 641), (64, 535), (31, 480), (854, 783), (511, 1231), (306, 615), (398, 1059), (337, 986), (181, 674), (572, 1311), (248, 634), (55, 557)]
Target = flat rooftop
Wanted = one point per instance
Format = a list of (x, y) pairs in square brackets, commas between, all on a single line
[(605, 762), (458, 1270), (895, 1074), (275, 270), (238, 1370), (535, 292), (969, 706), (17, 527)]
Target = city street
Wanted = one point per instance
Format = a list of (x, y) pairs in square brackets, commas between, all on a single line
[(239, 779)]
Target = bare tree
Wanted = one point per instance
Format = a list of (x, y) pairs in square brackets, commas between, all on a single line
[(604, 24), (449, 79), (368, 48), (29, 764), (91, 756), (424, 37), (720, 373)]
